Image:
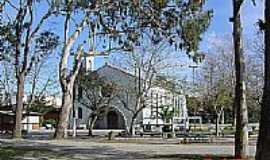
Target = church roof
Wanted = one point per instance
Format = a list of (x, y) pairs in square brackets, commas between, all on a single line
[(114, 67)]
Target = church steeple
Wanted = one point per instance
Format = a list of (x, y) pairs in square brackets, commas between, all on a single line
[(89, 63)]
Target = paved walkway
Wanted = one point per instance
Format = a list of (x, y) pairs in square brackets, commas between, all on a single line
[(87, 149)]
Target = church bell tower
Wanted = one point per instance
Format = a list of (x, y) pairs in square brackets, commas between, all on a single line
[(89, 63)]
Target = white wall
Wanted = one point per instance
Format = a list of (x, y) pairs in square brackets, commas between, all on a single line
[(165, 97), (31, 120)]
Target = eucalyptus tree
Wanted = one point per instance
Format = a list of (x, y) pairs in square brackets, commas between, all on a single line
[(24, 42), (241, 134), (121, 25), (263, 143)]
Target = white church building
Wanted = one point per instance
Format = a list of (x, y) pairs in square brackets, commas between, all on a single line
[(118, 116)]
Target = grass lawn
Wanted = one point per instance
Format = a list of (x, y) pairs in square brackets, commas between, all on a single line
[(11, 153)]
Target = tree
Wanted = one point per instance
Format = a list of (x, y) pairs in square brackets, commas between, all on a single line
[(96, 94), (148, 63), (255, 77), (263, 140), (122, 25), (24, 42), (241, 134), (216, 90), (40, 80), (194, 104), (221, 53), (221, 100), (166, 113), (7, 82), (220, 59)]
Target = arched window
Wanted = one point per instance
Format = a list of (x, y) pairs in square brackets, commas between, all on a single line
[(80, 113)]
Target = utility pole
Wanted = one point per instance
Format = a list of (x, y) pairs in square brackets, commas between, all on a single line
[(193, 72)]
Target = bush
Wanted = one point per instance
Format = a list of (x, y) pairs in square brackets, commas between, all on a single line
[(49, 121), (170, 135)]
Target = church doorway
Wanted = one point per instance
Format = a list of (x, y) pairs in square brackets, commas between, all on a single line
[(115, 120)]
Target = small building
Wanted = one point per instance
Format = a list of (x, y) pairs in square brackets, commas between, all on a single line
[(31, 120)]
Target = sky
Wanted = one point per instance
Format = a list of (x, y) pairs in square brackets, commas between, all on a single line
[(220, 24), (219, 27)]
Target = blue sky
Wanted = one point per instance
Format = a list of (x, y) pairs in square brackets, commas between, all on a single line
[(220, 24)]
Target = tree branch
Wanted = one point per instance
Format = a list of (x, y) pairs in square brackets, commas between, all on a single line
[(66, 49), (27, 38)]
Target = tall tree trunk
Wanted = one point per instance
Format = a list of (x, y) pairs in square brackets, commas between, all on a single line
[(234, 115), (217, 123), (263, 144), (241, 134), (19, 107), (222, 117), (74, 127), (61, 130), (91, 125), (67, 79), (131, 129)]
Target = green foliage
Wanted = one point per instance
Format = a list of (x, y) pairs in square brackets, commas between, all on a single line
[(40, 107), (193, 103), (125, 24), (49, 121), (7, 36), (222, 94), (9, 153), (220, 98), (167, 113), (46, 42), (14, 30)]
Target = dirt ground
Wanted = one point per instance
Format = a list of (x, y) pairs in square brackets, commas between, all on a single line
[(88, 149)]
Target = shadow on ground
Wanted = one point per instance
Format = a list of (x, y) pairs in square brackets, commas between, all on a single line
[(45, 151), (42, 150), (194, 157)]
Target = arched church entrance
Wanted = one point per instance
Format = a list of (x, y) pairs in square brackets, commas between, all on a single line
[(113, 119)]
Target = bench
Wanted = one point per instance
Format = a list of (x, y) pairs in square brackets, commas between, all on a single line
[(196, 138)]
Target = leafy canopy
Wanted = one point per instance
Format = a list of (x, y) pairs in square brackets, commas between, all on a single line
[(124, 24)]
